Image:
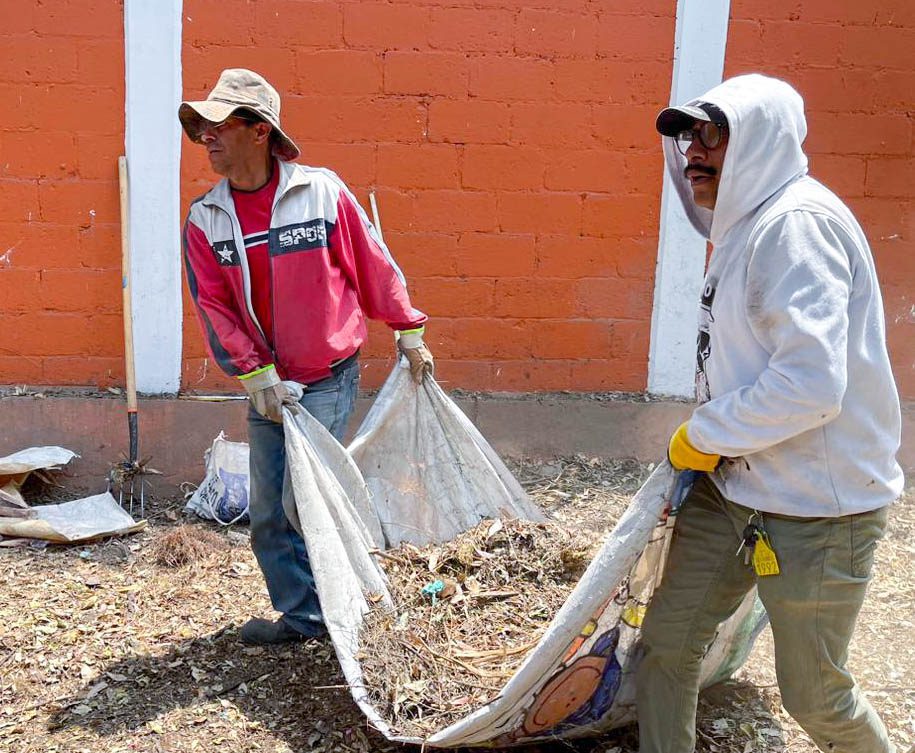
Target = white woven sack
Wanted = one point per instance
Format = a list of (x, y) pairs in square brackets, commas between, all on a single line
[(224, 493)]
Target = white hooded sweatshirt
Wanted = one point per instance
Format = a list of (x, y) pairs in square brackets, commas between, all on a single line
[(793, 375)]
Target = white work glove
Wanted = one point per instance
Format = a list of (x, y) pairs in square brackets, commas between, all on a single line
[(268, 395), (411, 344)]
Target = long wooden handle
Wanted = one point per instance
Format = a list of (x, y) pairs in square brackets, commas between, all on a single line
[(128, 306)]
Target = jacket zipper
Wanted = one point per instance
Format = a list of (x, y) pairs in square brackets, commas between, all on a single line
[(233, 221), (276, 329), (273, 322), (236, 232), (275, 345)]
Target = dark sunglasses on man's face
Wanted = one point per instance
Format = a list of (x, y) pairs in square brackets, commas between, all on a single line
[(239, 116), (710, 136)]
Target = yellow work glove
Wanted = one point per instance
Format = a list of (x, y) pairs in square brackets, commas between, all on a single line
[(411, 344), (682, 455)]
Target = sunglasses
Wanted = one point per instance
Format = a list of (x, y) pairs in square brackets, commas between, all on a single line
[(205, 125), (710, 135)]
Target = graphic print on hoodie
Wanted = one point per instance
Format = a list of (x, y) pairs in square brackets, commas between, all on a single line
[(793, 374), (704, 340)]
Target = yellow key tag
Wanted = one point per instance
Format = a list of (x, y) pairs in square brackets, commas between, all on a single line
[(764, 560)]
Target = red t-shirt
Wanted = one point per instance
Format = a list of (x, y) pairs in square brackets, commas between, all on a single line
[(254, 209)]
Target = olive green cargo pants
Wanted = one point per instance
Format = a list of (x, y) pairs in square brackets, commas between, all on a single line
[(825, 565)]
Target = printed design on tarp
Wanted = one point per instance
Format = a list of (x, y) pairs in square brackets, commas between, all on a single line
[(232, 504), (594, 685)]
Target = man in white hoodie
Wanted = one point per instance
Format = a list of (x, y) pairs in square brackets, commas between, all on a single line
[(797, 428)]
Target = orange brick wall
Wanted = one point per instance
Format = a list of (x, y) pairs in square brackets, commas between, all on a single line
[(853, 63), (509, 144), (62, 85), (511, 149)]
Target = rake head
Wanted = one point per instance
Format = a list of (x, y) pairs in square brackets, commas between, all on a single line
[(127, 477)]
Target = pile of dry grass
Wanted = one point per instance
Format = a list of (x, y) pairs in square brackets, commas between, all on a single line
[(185, 545), (494, 590)]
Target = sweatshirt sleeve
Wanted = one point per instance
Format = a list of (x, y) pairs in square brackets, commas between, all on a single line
[(230, 346), (368, 265), (797, 294)]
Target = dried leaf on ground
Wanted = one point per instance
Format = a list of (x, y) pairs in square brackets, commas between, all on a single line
[(144, 625)]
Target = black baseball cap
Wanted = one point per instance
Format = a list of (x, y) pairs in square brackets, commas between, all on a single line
[(673, 120)]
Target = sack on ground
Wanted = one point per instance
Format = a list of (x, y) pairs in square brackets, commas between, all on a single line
[(225, 490)]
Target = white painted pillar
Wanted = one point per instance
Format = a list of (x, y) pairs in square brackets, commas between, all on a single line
[(152, 44), (699, 46)]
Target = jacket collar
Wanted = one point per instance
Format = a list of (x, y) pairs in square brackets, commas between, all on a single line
[(291, 176)]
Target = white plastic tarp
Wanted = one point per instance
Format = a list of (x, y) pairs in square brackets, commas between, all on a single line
[(430, 473), (15, 468), (80, 520), (578, 680), (353, 495), (336, 535)]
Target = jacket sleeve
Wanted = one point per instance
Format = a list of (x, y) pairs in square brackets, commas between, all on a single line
[(368, 265), (798, 287), (229, 345)]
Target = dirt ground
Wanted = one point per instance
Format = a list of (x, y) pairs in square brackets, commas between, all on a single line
[(104, 650)]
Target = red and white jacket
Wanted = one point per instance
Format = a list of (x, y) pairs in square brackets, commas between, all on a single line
[(328, 270)]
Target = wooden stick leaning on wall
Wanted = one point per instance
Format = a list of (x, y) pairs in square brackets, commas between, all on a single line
[(128, 312), (126, 471)]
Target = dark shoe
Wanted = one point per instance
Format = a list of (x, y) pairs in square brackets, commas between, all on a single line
[(260, 632)]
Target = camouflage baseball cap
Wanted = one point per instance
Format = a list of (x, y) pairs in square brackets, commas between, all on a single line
[(238, 89)]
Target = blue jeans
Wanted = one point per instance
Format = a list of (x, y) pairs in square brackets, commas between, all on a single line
[(280, 551)]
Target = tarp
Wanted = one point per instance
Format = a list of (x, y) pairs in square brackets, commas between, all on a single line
[(430, 473), (67, 523), (15, 468), (578, 680)]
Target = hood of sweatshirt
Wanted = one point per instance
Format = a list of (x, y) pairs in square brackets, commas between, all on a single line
[(766, 128)]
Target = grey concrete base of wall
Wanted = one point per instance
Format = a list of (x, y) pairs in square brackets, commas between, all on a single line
[(174, 433)]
